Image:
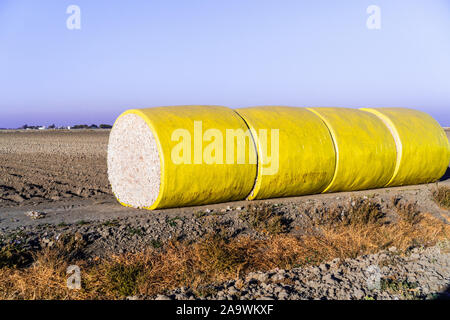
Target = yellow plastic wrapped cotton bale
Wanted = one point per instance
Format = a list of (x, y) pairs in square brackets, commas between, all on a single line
[(180, 156), (295, 151), (365, 149), (423, 151)]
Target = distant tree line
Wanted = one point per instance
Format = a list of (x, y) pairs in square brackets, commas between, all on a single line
[(92, 126), (77, 126)]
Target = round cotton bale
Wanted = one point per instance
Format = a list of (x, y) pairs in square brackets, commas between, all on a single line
[(176, 156), (423, 150), (365, 149), (295, 151)]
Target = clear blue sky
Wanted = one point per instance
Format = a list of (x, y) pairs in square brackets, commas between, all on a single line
[(224, 52)]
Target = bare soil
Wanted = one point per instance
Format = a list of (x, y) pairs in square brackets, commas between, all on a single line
[(45, 166)]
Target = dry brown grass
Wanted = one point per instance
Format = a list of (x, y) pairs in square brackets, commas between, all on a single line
[(215, 259), (44, 279), (441, 196)]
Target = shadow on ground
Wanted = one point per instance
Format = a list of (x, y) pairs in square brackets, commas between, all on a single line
[(444, 295), (446, 175)]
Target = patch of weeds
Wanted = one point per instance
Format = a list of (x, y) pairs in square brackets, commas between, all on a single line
[(432, 296), (69, 247), (359, 211), (222, 255), (82, 222), (223, 228), (363, 212), (173, 221), (266, 218), (14, 252), (123, 279), (402, 287), (111, 223), (201, 214), (17, 236), (135, 231), (13, 256), (156, 243), (441, 196), (369, 298), (408, 211), (62, 224)]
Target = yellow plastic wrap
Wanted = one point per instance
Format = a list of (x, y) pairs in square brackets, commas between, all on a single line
[(422, 146), (365, 149), (206, 179), (303, 161)]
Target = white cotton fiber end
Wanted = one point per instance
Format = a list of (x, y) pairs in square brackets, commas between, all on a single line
[(134, 168)]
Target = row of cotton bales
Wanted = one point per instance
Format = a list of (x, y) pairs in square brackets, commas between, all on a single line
[(191, 155)]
